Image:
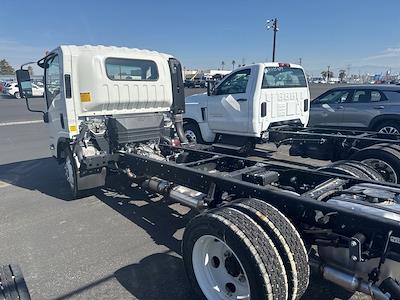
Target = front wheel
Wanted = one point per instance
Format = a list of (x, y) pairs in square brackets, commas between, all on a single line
[(193, 133), (227, 255), (17, 95), (71, 174)]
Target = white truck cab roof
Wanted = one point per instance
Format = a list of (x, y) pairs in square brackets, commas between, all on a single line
[(109, 80)]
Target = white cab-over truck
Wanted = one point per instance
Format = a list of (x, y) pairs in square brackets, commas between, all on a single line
[(240, 108), (261, 225)]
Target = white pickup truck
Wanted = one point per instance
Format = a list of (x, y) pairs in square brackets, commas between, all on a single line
[(240, 108)]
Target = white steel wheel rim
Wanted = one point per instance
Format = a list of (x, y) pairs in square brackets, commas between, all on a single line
[(389, 129), (69, 172), (191, 136), (218, 271), (386, 170)]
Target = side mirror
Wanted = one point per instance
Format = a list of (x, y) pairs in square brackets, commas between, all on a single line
[(24, 83)]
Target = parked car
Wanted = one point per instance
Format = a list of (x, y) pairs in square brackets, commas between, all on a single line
[(11, 89), (366, 107)]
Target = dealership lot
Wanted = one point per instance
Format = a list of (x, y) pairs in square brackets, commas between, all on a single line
[(117, 244)]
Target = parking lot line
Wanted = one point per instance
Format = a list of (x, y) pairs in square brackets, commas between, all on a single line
[(20, 123)]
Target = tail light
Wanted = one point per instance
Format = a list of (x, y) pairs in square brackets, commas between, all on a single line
[(306, 104)]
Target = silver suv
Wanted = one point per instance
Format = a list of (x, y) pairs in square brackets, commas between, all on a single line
[(370, 107)]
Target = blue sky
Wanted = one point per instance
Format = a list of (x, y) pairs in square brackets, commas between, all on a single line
[(362, 34)]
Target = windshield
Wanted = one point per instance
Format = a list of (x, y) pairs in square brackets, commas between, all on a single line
[(283, 77)]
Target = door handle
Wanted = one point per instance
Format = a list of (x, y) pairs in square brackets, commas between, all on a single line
[(241, 100), (379, 107)]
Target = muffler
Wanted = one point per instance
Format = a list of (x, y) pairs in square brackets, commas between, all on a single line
[(349, 281), (179, 193)]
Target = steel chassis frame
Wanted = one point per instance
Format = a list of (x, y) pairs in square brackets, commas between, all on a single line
[(301, 209)]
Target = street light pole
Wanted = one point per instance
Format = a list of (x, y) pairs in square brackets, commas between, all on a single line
[(273, 24)]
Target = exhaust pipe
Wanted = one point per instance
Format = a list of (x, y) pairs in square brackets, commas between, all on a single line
[(178, 120), (179, 193), (348, 281)]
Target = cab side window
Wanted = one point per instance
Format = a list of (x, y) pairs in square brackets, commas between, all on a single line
[(236, 83), (52, 76)]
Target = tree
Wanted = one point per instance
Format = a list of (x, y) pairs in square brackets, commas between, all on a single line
[(233, 64), (30, 70), (6, 68), (325, 74), (342, 75)]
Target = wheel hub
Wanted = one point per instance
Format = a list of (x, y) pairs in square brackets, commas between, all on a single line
[(389, 129), (387, 172), (191, 136), (69, 172), (218, 270)]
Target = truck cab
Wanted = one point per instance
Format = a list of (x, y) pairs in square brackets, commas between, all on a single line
[(247, 102), (101, 100)]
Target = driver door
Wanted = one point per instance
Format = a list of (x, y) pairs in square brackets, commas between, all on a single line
[(54, 100), (327, 109), (228, 106)]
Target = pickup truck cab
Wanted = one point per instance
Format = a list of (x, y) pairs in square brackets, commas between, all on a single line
[(247, 102)]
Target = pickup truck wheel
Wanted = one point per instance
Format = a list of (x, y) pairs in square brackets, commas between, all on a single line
[(17, 95), (227, 255), (384, 158), (12, 283), (71, 174), (192, 132), (286, 238)]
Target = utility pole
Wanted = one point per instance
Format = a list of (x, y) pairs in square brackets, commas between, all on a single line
[(327, 75), (300, 61), (273, 24)]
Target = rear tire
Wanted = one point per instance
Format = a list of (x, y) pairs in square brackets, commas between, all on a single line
[(391, 127), (342, 168), (287, 240), (12, 283), (226, 250), (384, 158), (193, 133), (353, 168)]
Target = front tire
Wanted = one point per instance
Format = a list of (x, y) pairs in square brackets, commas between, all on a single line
[(17, 95), (71, 174), (228, 255), (193, 133)]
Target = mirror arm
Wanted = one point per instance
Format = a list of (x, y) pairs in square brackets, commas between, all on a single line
[(33, 110)]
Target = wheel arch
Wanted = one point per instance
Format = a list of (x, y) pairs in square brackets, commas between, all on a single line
[(62, 143), (375, 122)]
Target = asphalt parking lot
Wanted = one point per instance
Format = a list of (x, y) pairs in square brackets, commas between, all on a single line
[(120, 243)]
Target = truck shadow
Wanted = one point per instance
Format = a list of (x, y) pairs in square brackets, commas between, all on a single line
[(44, 175), (158, 276)]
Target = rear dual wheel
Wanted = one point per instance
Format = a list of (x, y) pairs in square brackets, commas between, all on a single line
[(384, 158), (355, 169), (247, 250)]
